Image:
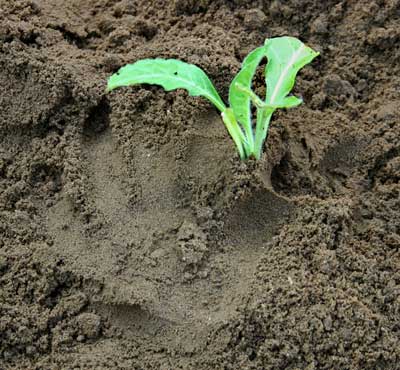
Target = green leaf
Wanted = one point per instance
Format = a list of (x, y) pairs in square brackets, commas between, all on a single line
[(171, 74), (288, 102), (286, 56), (239, 98)]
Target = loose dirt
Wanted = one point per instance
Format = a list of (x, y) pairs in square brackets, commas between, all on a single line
[(132, 237)]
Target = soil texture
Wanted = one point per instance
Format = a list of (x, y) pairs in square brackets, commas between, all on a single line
[(133, 237)]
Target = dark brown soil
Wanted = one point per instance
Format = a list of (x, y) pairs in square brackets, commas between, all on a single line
[(132, 237)]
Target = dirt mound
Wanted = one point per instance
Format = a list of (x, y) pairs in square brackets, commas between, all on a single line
[(132, 237)]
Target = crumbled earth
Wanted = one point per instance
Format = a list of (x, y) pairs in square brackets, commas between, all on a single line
[(132, 237)]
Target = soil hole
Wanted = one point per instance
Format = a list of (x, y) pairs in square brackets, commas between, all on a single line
[(255, 219), (98, 119)]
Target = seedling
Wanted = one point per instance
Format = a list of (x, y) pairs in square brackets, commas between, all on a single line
[(286, 56)]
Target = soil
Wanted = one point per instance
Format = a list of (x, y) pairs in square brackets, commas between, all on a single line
[(132, 236)]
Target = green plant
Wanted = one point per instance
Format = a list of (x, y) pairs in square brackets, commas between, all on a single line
[(286, 56)]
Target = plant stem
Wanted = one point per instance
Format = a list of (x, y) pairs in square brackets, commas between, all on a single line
[(253, 96), (249, 138), (263, 119), (236, 132), (254, 147)]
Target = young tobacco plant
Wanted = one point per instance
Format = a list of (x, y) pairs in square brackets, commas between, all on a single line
[(286, 56)]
